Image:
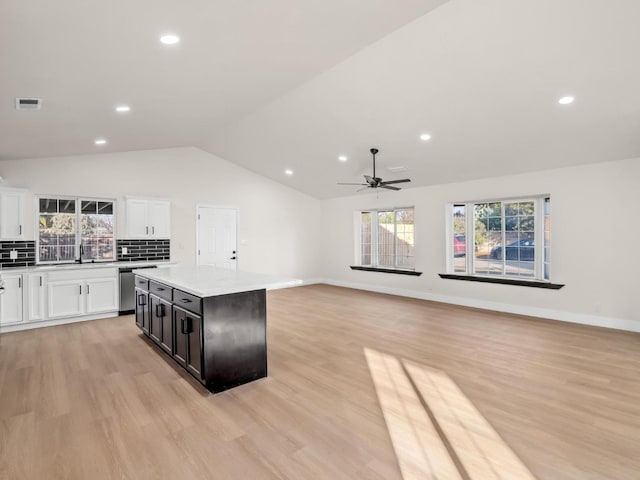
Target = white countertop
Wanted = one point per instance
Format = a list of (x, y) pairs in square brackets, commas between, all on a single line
[(207, 281), (82, 266)]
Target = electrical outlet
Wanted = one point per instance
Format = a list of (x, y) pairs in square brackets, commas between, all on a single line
[(124, 250), (13, 254)]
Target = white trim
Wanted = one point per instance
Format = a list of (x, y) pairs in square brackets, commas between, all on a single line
[(560, 315), (16, 327)]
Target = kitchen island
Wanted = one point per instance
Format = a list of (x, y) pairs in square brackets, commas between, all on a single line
[(211, 321)]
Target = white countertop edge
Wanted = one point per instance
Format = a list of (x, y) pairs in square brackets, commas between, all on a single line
[(269, 283)]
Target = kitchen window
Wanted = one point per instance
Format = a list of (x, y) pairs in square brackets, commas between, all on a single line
[(500, 238), (71, 228), (386, 238)]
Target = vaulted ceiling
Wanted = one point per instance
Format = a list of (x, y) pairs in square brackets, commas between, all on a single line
[(283, 84)]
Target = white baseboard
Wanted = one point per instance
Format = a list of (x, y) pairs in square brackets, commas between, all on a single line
[(52, 323), (563, 316)]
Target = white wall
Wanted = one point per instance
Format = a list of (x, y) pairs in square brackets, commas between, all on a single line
[(279, 224), (595, 225)]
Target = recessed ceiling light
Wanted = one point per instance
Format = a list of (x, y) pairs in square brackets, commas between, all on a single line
[(425, 137), (170, 39), (566, 100), (100, 141), (288, 171), (343, 158), (123, 108)]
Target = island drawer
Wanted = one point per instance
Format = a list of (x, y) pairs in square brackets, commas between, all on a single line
[(160, 290), (142, 282), (187, 301)]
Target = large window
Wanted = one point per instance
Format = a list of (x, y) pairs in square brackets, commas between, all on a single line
[(386, 238), (75, 228), (508, 238)]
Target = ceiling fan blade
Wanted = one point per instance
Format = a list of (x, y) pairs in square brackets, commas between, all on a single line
[(370, 180), (388, 187), (403, 180), (342, 183)]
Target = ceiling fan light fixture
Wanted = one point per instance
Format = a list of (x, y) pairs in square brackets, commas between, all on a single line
[(372, 181)]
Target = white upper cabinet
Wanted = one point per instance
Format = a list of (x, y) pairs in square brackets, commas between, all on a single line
[(11, 214), (148, 218), (159, 218)]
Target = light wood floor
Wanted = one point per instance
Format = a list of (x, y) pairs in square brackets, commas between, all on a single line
[(94, 400)]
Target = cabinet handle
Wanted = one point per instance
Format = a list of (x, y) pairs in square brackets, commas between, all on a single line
[(146, 230), (160, 289), (187, 326), (80, 289), (40, 281), (185, 300), (87, 289), (153, 230), (20, 230), (142, 300), (160, 310), (19, 282), (183, 328)]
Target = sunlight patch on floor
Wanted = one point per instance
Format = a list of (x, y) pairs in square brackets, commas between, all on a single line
[(436, 432), (419, 449)]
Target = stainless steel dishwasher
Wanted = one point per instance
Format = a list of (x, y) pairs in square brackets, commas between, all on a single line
[(127, 292)]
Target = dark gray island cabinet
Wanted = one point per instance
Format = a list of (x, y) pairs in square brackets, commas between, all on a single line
[(212, 322)]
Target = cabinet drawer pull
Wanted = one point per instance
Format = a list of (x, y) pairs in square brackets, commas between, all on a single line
[(160, 310), (142, 300), (80, 289), (185, 300), (160, 289)]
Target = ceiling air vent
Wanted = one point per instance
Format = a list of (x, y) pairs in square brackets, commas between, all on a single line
[(28, 103)]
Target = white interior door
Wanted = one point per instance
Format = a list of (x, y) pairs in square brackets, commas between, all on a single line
[(217, 242)]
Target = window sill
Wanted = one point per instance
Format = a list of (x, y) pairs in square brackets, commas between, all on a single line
[(397, 271), (504, 281)]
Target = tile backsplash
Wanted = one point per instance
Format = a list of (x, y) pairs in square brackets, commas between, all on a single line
[(26, 253), (141, 250)]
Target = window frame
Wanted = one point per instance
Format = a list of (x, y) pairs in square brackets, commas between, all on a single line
[(539, 238), (375, 264), (78, 230)]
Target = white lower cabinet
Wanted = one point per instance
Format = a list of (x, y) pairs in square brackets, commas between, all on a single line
[(36, 298), (11, 300), (65, 298), (102, 295), (82, 292)]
